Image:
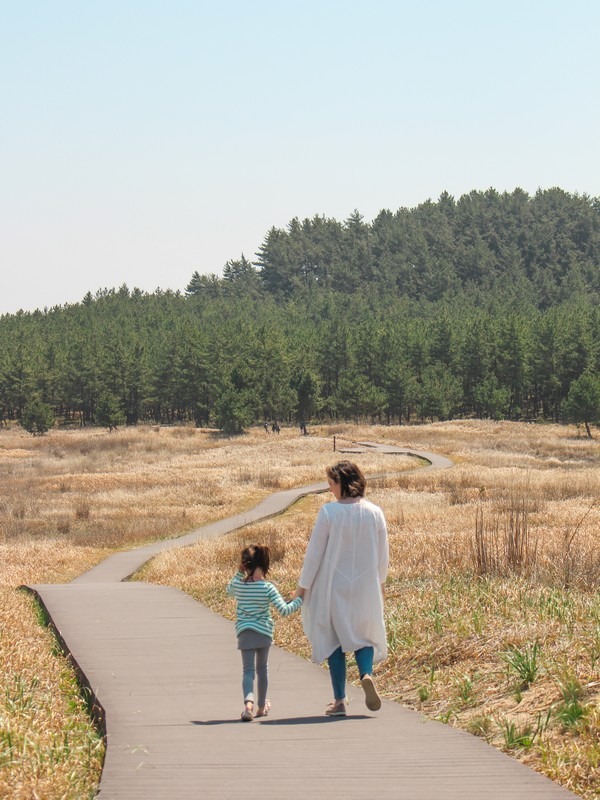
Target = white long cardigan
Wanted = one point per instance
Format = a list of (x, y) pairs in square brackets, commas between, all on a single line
[(345, 564)]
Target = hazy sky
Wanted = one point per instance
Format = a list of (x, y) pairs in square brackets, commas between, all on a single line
[(143, 140)]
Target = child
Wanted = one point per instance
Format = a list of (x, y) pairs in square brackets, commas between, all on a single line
[(254, 623)]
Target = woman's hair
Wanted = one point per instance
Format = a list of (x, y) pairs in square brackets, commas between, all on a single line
[(253, 556), (350, 478)]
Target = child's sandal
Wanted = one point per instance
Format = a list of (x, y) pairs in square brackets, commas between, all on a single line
[(264, 712)]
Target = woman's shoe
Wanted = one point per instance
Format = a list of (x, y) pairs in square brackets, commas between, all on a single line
[(247, 714), (336, 709), (372, 699)]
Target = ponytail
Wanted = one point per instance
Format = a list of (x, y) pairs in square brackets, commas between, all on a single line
[(255, 556)]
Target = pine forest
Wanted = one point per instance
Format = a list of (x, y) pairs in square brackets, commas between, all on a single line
[(486, 306)]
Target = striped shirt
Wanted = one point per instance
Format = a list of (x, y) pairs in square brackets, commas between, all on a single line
[(254, 601)]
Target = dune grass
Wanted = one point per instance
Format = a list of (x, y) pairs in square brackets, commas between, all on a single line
[(492, 605), (48, 746)]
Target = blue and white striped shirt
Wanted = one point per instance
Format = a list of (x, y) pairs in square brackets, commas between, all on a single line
[(254, 601)]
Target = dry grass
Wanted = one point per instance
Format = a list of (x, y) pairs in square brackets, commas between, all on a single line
[(48, 748), (82, 486), (528, 489)]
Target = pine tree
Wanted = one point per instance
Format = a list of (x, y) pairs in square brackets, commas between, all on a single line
[(37, 417), (582, 405), (109, 413)]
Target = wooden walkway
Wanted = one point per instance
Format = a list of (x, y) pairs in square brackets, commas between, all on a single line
[(166, 678)]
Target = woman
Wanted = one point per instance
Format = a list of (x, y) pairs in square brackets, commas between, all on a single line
[(342, 579)]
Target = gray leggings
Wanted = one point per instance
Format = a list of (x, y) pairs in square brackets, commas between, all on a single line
[(260, 655)]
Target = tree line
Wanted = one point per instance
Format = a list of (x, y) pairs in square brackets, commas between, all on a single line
[(486, 306)]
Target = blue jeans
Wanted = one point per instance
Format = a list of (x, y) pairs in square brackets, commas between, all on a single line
[(337, 668)]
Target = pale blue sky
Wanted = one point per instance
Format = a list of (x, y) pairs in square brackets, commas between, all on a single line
[(143, 140)]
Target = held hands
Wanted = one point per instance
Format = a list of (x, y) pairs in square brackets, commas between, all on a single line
[(298, 593)]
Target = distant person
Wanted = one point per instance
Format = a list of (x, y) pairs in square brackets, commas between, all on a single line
[(275, 427), (266, 426), (303, 429), (254, 624), (342, 582)]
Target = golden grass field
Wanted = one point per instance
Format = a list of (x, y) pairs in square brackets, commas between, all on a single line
[(492, 601)]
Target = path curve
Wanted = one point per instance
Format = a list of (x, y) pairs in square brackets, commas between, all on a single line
[(165, 677)]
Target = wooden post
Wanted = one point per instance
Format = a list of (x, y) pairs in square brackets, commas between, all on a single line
[(334, 444)]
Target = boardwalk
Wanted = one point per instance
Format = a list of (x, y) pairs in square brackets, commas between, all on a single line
[(166, 677)]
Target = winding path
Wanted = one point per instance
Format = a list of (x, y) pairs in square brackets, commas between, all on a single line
[(165, 677)]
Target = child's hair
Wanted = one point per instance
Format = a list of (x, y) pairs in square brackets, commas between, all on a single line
[(253, 556)]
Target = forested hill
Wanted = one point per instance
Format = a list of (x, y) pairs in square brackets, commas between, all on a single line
[(543, 249), (484, 306)]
